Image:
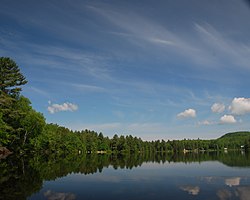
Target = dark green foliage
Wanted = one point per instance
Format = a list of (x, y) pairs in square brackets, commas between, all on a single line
[(235, 135), (18, 179), (6, 109), (10, 77), (235, 140), (3, 131), (19, 122), (58, 139)]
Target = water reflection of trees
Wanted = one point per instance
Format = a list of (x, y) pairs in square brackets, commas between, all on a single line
[(22, 176), (18, 179)]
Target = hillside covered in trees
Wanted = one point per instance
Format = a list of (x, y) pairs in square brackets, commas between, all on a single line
[(22, 129)]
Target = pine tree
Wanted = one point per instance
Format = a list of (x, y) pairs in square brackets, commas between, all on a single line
[(10, 77)]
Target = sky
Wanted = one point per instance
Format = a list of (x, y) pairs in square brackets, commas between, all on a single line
[(155, 69)]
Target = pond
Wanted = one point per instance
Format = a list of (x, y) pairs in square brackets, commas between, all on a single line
[(156, 176)]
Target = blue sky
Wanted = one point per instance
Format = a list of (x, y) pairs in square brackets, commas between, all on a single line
[(154, 69)]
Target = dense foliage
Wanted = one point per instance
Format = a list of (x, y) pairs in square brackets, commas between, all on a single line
[(24, 129), (235, 140), (19, 122), (60, 139)]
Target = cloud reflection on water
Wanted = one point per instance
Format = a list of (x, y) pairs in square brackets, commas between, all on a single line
[(224, 194), (235, 181), (193, 190), (243, 193), (51, 195)]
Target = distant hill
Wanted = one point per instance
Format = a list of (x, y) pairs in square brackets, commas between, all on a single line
[(241, 134), (235, 139)]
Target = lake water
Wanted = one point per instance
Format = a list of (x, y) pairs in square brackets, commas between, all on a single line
[(166, 176)]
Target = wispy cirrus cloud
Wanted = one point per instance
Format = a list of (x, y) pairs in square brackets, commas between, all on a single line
[(87, 88), (211, 48), (144, 31), (38, 91), (226, 49), (205, 122)]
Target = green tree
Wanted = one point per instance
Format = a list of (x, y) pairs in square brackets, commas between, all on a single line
[(19, 122), (25, 122), (48, 140), (32, 125), (3, 131), (6, 108), (122, 145), (103, 144), (10, 77), (114, 143)]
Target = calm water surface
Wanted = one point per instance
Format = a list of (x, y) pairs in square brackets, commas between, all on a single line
[(203, 177)]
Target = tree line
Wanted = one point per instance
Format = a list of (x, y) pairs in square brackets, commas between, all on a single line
[(60, 139), (22, 129)]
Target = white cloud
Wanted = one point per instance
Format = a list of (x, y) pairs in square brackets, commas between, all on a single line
[(189, 113), (218, 107), (227, 119), (240, 106), (53, 108)]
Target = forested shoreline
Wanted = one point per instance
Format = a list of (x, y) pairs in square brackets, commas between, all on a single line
[(22, 129)]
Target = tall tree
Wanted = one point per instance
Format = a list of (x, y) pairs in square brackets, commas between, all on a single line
[(19, 122), (10, 77)]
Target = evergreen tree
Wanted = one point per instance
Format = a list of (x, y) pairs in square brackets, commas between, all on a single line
[(10, 77)]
